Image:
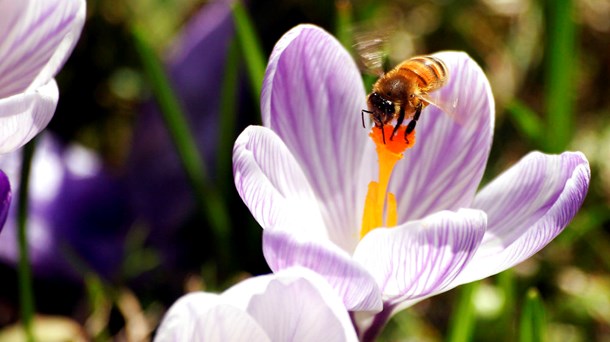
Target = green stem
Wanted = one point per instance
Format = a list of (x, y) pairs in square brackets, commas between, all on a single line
[(26, 292), (208, 199), (561, 31)]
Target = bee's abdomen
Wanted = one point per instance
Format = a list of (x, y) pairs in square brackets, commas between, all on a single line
[(429, 72)]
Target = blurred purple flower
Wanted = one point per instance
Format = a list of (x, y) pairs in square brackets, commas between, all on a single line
[(76, 209), (37, 36), (291, 305), (158, 182), (304, 176)]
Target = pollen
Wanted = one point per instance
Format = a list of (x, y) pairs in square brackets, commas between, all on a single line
[(380, 205)]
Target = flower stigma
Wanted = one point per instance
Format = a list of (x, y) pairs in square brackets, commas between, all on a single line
[(389, 152)]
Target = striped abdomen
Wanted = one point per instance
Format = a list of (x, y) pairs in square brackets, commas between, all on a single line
[(429, 72)]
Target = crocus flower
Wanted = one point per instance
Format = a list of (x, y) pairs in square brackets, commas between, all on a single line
[(37, 36), (77, 211), (292, 305), (305, 176)]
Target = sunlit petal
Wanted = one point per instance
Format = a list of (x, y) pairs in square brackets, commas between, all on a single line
[(37, 38), (312, 98), (421, 257), (527, 206), (349, 279), (24, 115)]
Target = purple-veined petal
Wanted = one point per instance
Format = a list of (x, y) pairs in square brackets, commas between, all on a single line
[(24, 115), (5, 198), (527, 206), (272, 184), (312, 98), (421, 257), (349, 279), (37, 38), (443, 170), (294, 305), (207, 317)]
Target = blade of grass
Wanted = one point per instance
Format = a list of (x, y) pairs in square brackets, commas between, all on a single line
[(462, 321), (227, 118), (26, 291), (527, 122), (209, 201), (251, 48), (533, 320), (506, 282), (561, 30)]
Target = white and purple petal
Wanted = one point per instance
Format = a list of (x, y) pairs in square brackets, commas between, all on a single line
[(443, 170), (24, 115), (292, 305), (527, 207), (312, 98), (204, 316), (422, 257), (295, 304), (352, 282), (37, 38), (273, 186)]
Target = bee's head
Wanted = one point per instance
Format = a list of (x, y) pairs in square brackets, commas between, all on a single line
[(381, 108)]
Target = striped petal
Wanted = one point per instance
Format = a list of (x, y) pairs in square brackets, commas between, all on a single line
[(37, 38), (528, 206), (312, 97), (443, 170), (294, 305), (272, 184), (349, 279), (420, 258), (24, 115), (207, 317)]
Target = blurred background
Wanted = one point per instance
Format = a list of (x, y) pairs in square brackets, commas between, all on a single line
[(118, 230)]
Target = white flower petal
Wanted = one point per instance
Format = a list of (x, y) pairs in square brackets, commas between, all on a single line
[(312, 98), (528, 206), (24, 115), (350, 280), (272, 184), (294, 305), (37, 38), (208, 317), (422, 257)]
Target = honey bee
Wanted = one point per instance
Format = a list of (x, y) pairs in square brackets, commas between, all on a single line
[(402, 93)]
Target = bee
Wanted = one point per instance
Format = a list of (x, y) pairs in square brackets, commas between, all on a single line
[(402, 93)]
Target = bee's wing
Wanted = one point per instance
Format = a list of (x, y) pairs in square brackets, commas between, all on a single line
[(370, 50), (444, 102)]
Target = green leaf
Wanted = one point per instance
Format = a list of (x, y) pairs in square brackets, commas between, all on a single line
[(533, 320), (251, 48), (462, 322), (527, 121)]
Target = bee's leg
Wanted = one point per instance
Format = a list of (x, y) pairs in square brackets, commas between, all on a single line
[(401, 118), (383, 134), (413, 122)]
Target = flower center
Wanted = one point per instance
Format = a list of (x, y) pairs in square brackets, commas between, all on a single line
[(378, 198)]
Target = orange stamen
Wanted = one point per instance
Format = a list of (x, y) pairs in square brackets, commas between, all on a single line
[(378, 198)]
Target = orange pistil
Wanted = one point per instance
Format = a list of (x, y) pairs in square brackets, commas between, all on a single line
[(378, 197)]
